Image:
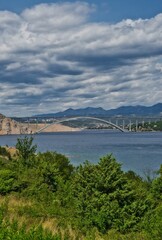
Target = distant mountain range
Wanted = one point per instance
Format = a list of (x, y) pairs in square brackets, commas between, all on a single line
[(155, 110)]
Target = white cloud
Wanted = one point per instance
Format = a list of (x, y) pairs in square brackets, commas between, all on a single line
[(52, 57)]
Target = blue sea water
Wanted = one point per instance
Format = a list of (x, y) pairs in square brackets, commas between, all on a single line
[(137, 151)]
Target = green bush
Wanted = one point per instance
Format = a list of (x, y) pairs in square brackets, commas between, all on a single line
[(152, 223), (95, 198), (4, 152), (7, 180)]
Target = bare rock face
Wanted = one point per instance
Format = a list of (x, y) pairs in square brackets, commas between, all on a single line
[(9, 126)]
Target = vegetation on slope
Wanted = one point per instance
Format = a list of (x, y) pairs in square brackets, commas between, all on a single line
[(43, 196)]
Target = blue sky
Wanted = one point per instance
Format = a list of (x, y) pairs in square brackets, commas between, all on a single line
[(108, 10), (56, 55)]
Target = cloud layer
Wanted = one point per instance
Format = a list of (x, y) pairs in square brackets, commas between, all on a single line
[(53, 57)]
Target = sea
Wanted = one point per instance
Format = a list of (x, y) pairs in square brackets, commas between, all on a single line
[(140, 152)]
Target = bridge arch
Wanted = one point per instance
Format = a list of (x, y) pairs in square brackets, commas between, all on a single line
[(76, 118)]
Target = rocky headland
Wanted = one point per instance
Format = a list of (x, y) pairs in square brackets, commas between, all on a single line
[(10, 126)]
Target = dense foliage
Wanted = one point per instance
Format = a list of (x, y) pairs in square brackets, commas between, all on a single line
[(91, 199)]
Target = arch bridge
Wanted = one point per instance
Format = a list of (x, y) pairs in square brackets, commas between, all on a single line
[(77, 118)]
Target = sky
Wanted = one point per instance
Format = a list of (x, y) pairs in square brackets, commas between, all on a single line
[(56, 55)]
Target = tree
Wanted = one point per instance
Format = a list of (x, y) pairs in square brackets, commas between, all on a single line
[(157, 185), (25, 148), (104, 197)]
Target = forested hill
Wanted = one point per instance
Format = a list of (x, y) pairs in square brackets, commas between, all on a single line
[(123, 111)]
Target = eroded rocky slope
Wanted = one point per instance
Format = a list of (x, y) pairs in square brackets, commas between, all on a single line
[(10, 126)]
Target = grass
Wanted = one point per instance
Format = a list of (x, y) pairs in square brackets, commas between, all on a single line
[(25, 214)]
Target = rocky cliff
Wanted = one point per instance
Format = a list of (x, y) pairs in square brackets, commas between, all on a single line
[(10, 126)]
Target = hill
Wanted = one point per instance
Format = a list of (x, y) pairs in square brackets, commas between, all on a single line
[(122, 111)]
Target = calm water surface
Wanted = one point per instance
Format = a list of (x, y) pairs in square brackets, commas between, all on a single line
[(136, 151)]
